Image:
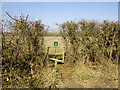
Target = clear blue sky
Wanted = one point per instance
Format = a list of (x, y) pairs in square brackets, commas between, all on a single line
[(58, 12)]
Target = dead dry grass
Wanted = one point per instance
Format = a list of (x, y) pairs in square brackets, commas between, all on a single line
[(69, 75), (96, 77), (49, 42)]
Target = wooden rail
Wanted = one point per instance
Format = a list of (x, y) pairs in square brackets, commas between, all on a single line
[(56, 54)]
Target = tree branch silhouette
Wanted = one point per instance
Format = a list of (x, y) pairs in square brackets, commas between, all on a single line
[(11, 16)]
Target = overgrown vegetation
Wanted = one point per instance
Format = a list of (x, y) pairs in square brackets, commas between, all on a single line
[(22, 52), (94, 48), (98, 41), (25, 64)]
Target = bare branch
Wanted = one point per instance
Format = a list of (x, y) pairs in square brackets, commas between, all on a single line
[(11, 16)]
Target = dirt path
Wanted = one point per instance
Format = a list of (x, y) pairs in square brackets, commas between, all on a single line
[(67, 80)]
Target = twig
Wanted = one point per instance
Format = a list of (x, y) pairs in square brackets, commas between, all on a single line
[(11, 16)]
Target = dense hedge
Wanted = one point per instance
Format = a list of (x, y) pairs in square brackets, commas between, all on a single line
[(98, 39), (22, 51)]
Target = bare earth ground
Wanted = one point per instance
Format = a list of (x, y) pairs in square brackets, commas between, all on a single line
[(67, 80), (82, 77)]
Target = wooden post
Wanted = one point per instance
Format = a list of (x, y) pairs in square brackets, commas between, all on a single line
[(55, 49), (47, 52), (63, 55), (55, 63)]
